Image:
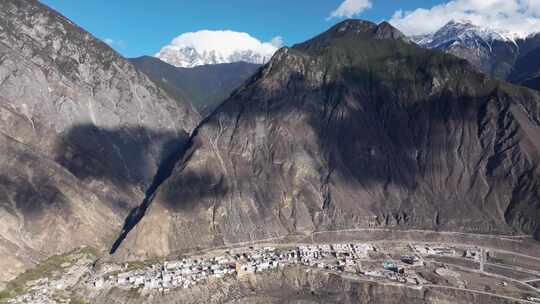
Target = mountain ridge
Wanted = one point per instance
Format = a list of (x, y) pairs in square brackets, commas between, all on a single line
[(351, 130), (493, 52), (205, 86), (82, 133)]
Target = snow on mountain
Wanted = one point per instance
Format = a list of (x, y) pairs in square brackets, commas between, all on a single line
[(465, 33), (214, 47), (494, 52)]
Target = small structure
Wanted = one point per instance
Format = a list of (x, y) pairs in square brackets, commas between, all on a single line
[(98, 283), (408, 259), (471, 254), (389, 265)]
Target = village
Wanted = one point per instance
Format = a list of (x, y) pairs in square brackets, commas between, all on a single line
[(416, 265), (351, 258)]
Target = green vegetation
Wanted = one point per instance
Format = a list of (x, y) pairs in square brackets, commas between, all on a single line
[(78, 301), (496, 260), (4, 295), (133, 265), (136, 265), (48, 268), (383, 69)]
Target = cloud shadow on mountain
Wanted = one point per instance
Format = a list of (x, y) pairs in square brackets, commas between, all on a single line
[(127, 156)]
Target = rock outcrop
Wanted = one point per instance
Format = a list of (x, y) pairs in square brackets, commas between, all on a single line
[(355, 128), (82, 134)]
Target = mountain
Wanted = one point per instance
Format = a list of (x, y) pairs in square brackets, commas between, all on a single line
[(357, 128), (490, 51), (499, 54), (205, 86), (526, 70), (189, 57), (82, 134), (214, 47)]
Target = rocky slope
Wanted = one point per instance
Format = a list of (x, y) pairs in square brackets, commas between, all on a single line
[(526, 71), (355, 128), (495, 53), (82, 133), (205, 86)]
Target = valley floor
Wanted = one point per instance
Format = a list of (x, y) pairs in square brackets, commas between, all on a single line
[(418, 266)]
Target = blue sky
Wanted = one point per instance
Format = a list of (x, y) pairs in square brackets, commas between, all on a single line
[(143, 27), (138, 27)]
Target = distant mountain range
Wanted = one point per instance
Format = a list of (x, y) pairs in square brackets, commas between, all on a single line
[(205, 86), (190, 57), (215, 47), (497, 53), (207, 77)]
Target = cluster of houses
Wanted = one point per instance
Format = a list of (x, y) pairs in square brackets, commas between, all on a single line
[(337, 257), (473, 253), (360, 259), (170, 275), (434, 250), (186, 273)]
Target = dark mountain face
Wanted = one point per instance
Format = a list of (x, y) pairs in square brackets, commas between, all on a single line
[(491, 52), (526, 71), (353, 129), (206, 86), (82, 134)]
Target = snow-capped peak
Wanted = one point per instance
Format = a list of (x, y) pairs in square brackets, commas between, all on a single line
[(464, 32), (213, 47)]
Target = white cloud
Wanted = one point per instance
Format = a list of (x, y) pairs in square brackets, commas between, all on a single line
[(115, 43), (225, 42), (277, 41), (519, 17), (211, 47), (350, 8)]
